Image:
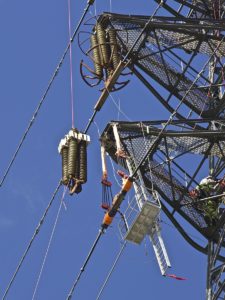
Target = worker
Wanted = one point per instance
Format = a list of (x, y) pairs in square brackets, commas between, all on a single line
[(207, 187)]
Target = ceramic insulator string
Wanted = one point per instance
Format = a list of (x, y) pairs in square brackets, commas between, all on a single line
[(104, 49), (96, 56), (64, 154), (83, 161), (72, 157), (114, 48)]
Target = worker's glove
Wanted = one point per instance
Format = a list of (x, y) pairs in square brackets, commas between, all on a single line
[(222, 183), (194, 194)]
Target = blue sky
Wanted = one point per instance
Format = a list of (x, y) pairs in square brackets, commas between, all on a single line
[(34, 35)]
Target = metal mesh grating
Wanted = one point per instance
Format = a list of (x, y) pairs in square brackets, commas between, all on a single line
[(137, 139), (203, 6), (188, 41), (206, 4), (162, 182), (136, 144), (168, 77), (163, 68), (159, 176)]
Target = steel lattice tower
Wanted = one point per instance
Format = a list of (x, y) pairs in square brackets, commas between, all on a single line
[(178, 54)]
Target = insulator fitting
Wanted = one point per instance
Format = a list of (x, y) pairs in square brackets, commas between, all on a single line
[(78, 135), (63, 150), (63, 143)]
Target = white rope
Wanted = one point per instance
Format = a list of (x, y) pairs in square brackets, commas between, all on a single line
[(118, 114), (111, 270), (49, 243), (118, 107), (114, 173), (97, 127)]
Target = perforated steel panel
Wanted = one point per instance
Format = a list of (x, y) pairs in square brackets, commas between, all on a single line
[(153, 53), (137, 139)]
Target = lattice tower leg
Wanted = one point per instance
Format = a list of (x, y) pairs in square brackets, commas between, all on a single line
[(215, 289), (208, 283)]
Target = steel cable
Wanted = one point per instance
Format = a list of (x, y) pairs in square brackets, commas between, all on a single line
[(70, 295), (89, 3), (111, 270), (37, 230), (49, 243)]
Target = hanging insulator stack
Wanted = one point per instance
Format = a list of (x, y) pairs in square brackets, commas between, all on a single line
[(96, 56), (73, 149), (72, 156), (104, 45), (114, 48), (105, 52)]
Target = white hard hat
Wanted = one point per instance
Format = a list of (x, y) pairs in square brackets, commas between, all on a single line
[(207, 180), (204, 181)]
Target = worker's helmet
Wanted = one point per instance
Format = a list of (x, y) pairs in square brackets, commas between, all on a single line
[(204, 181), (207, 180)]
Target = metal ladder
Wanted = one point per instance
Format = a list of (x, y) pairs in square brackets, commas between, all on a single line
[(160, 250), (155, 235), (137, 230)]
